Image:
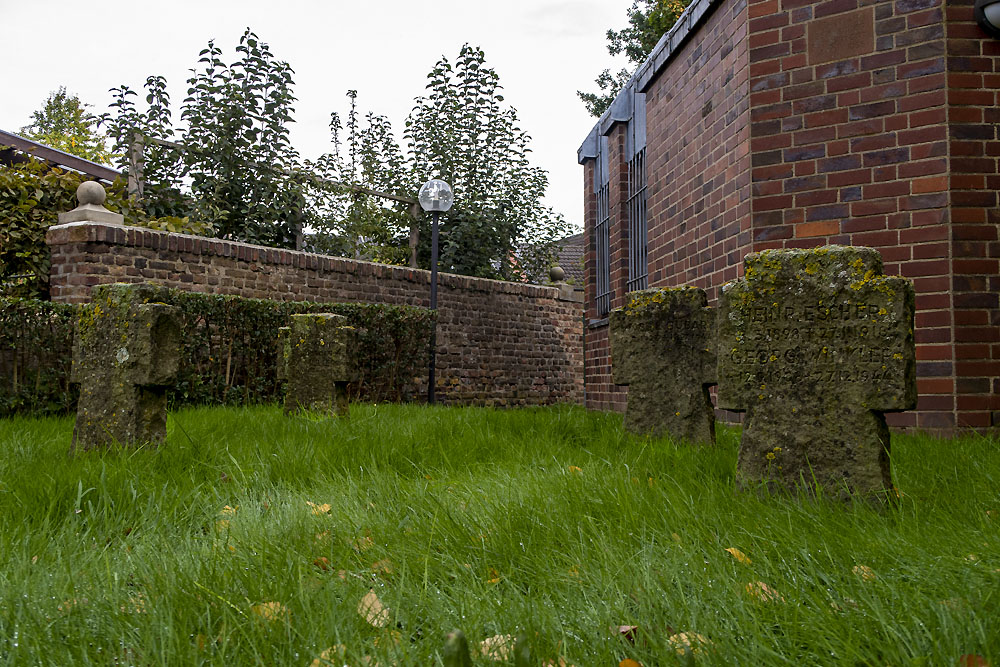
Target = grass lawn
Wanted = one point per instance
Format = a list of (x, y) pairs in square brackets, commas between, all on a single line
[(251, 538)]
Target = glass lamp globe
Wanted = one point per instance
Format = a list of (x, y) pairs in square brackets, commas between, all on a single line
[(435, 196)]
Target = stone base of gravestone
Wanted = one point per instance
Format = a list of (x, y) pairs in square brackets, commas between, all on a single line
[(315, 358), (126, 351), (815, 345), (663, 348)]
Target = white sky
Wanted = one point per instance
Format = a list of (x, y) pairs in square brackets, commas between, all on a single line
[(543, 50)]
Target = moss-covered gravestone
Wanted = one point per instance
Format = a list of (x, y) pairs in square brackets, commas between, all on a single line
[(663, 348), (126, 350), (315, 358), (815, 345)]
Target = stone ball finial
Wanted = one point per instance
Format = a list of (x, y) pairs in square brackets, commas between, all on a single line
[(91, 192), (557, 274)]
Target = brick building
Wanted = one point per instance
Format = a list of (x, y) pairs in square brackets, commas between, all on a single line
[(761, 124)]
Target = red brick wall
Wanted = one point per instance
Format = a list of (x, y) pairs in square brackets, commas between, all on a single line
[(973, 65), (499, 343), (797, 123), (698, 176)]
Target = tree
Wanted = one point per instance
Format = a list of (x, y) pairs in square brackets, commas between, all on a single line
[(64, 123), (648, 20), (462, 132), (237, 160)]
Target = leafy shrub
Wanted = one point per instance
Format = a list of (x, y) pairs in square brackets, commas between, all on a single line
[(35, 352), (229, 355), (32, 195)]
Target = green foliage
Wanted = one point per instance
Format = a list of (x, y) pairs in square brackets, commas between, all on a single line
[(32, 195), (64, 123), (35, 354), (462, 132), (350, 223), (229, 355), (648, 20), (472, 518), (237, 157)]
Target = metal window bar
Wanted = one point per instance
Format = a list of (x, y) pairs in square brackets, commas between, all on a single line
[(603, 239), (638, 266)]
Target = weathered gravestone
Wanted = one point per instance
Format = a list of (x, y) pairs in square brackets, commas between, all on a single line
[(315, 358), (815, 345), (126, 350), (663, 348)]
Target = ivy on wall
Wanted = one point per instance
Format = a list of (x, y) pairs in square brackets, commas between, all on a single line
[(229, 355)]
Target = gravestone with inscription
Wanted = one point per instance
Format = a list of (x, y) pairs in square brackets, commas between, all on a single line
[(315, 359), (126, 351), (663, 348), (815, 345)]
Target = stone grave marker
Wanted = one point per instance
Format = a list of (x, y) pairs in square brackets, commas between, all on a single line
[(126, 351), (315, 358), (815, 345), (663, 348)]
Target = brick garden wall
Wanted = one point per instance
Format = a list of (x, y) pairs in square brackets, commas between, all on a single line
[(499, 343), (798, 123)]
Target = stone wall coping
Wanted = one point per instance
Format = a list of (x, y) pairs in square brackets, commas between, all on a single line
[(141, 237)]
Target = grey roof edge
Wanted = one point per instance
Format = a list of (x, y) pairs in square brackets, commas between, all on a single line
[(664, 51)]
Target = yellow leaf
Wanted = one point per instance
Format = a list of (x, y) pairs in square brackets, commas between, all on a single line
[(319, 509), (864, 572), (576, 470), (689, 642), (497, 647), (222, 525), (739, 555), (494, 577), (675, 537), (373, 611), (334, 655), (272, 612), (629, 662), (228, 511), (763, 593)]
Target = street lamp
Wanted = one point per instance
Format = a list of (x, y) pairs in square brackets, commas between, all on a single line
[(987, 13), (435, 196)]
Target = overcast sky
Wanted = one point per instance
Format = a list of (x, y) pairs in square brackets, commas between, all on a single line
[(543, 50)]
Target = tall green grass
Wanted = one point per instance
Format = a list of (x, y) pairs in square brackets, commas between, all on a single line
[(549, 522)]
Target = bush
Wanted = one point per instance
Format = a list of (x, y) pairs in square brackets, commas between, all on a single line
[(229, 355), (32, 195)]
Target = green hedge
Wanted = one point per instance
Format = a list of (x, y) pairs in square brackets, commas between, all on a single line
[(229, 356)]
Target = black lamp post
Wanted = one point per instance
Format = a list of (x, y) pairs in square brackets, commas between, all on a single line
[(435, 196)]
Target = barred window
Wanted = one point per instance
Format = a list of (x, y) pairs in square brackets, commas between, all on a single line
[(602, 232), (638, 266), (638, 270)]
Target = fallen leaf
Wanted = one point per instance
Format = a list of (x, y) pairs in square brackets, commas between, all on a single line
[(390, 638), (739, 555), (34, 559), (363, 543), (626, 631), (675, 537), (319, 509), (228, 511), (272, 611), (323, 537), (221, 525), (629, 662), (322, 563), (334, 655), (574, 571), (763, 593), (494, 577), (576, 470), (864, 572), (497, 647), (373, 611), (383, 566), (972, 558), (972, 660), (689, 642)]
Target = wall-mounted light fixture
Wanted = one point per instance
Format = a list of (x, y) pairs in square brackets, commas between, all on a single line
[(987, 13)]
